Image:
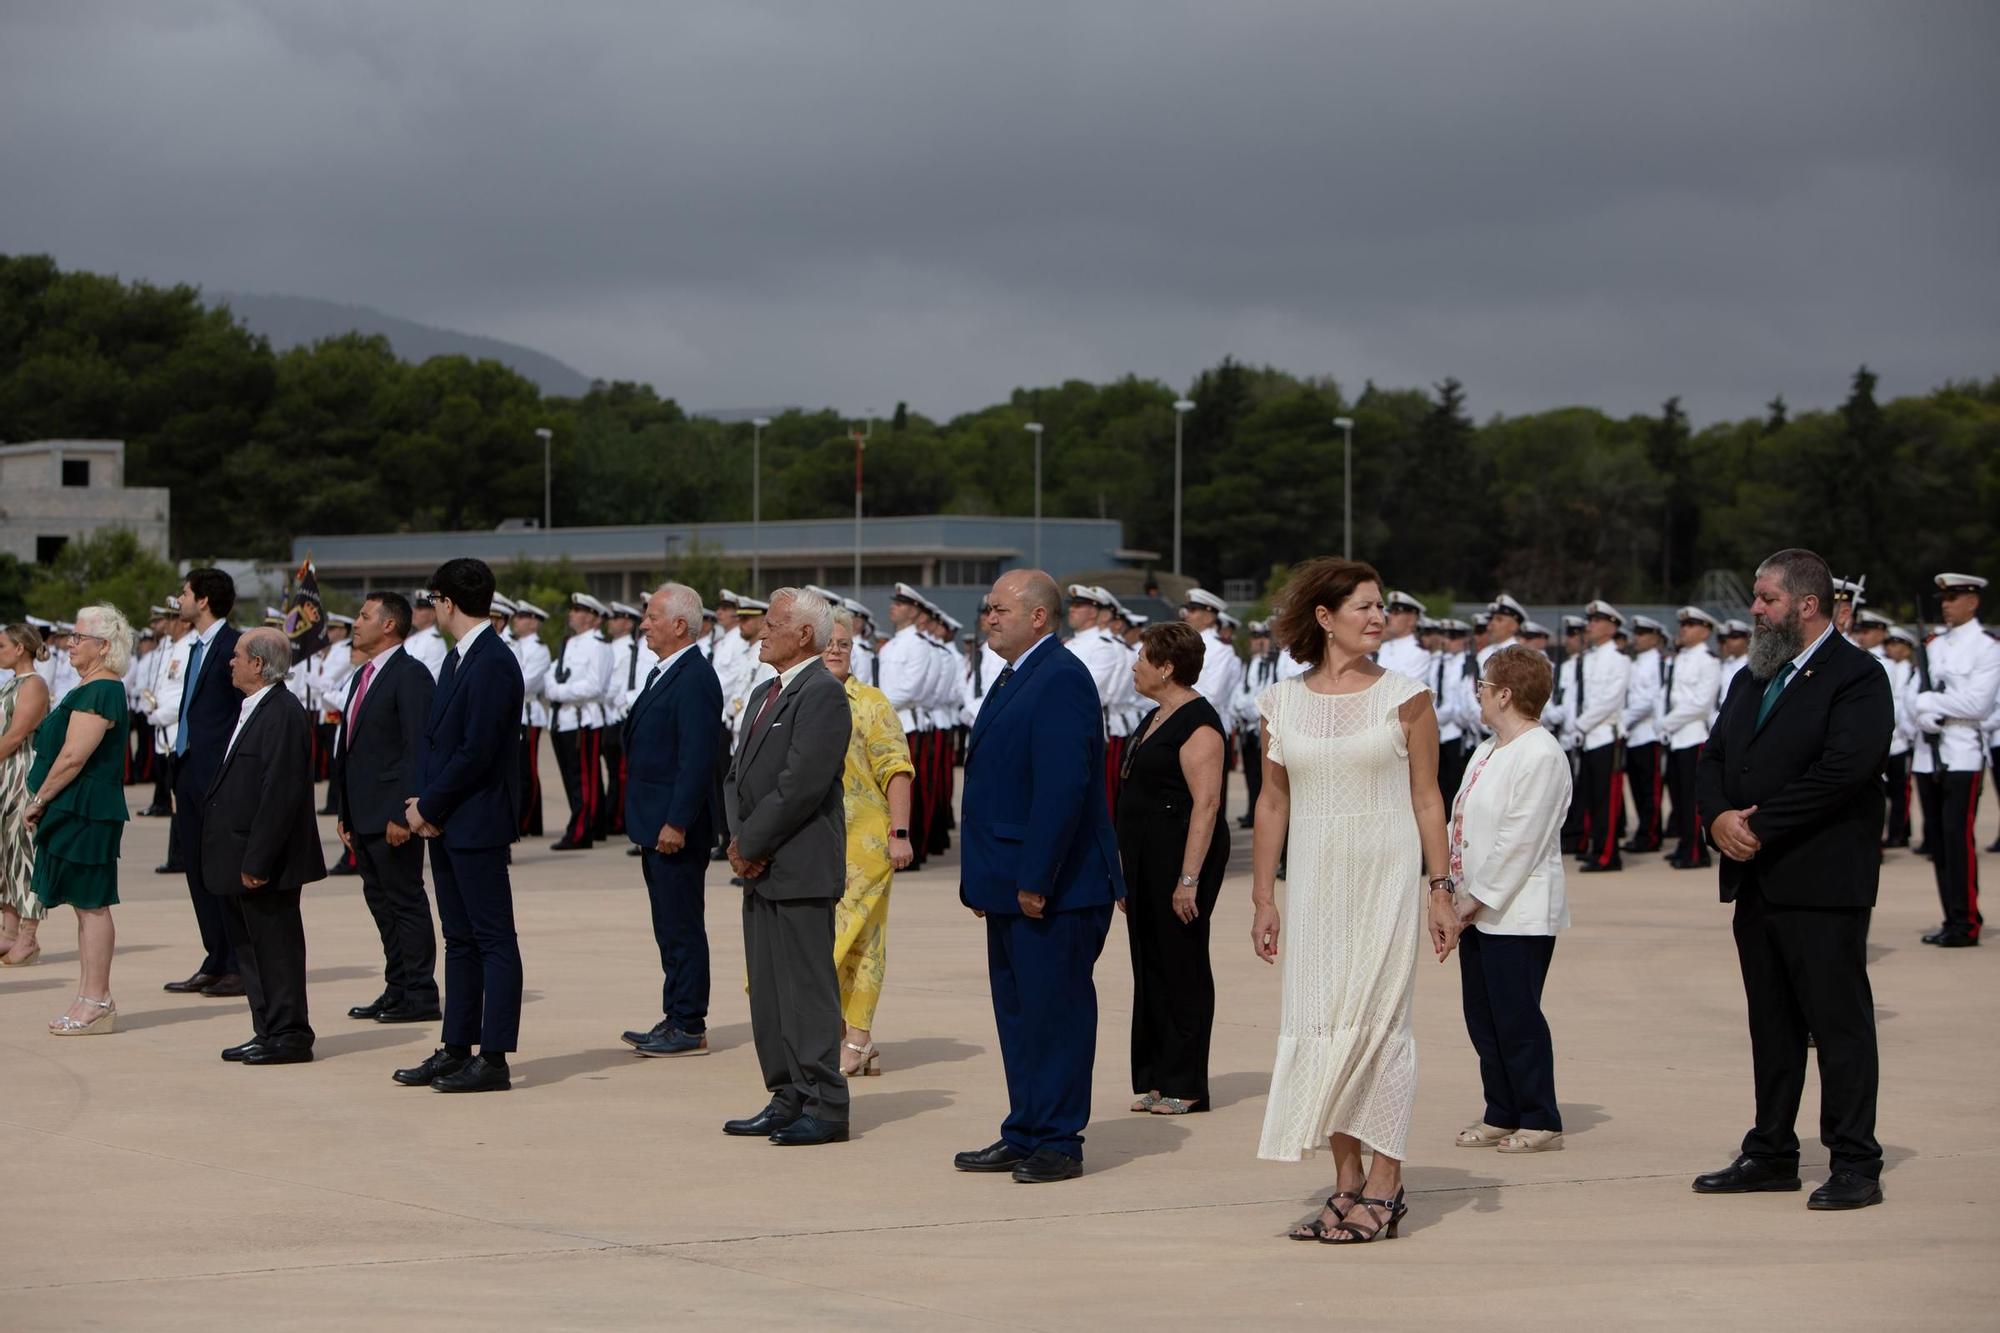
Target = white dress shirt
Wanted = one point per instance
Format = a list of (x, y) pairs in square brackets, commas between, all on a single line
[(242, 716)]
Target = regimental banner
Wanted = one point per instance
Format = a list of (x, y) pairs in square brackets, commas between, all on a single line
[(305, 617)]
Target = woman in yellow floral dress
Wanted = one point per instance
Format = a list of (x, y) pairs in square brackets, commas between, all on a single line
[(876, 785)]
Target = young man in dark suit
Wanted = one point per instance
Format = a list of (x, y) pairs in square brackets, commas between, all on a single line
[(373, 771), (1040, 864), (468, 808), (209, 707), (260, 846), (1789, 789), (669, 741)]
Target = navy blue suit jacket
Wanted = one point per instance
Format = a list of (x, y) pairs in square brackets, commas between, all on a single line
[(1034, 813), (211, 714), (672, 736), (471, 771)]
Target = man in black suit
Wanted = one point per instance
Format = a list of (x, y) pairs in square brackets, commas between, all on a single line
[(260, 846), (468, 808), (669, 740), (208, 714), (1789, 790), (373, 773)]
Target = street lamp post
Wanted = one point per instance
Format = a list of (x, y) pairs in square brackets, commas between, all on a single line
[(1034, 428), (861, 434), (548, 486), (757, 425), (1346, 425), (1182, 406)]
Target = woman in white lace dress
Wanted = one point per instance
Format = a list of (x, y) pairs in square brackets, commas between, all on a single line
[(1350, 774)]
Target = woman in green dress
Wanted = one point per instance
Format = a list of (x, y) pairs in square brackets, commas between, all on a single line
[(24, 702), (76, 808)]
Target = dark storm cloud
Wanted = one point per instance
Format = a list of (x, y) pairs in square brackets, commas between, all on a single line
[(855, 203)]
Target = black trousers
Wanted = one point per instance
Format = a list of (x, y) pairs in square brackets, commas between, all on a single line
[(1930, 800), (163, 781), (1955, 851), (482, 956), (1252, 747), (219, 952), (920, 814), (531, 781), (724, 741), (1643, 771), (1896, 787), (269, 936), (1682, 764), (678, 897), (1452, 755), (795, 1017), (1500, 982), (577, 755), (611, 804), (1575, 819), (1173, 984), (1805, 972), (1602, 792), (392, 884), (937, 823)]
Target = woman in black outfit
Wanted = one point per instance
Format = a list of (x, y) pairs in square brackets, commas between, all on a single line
[(1174, 846)]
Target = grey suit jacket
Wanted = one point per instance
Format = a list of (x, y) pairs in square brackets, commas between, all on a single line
[(783, 791)]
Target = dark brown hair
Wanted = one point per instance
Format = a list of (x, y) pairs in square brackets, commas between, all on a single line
[(1328, 581), (1177, 645), (1525, 672)]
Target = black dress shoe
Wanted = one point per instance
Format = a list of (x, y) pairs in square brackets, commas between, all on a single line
[(719, 854), (1002, 1156), (635, 850), (565, 845), (234, 1054), (476, 1075), (1593, 868), (228, 986), (1958, 939), (194, 985), (637, 1038), (1995, 847), (1048, 1166), (1937, 935), (1746, 1175), (280, 1055), (1846, 1189), (437, 1065), (808, 1130), (343, 867), (410, 1013), (673, 1042), (760, 1126), (372, 1008)]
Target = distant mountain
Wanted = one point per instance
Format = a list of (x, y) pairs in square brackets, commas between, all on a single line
[(732, 415), (289, 321)]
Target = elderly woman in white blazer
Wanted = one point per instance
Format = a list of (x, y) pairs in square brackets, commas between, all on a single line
[(1507, 873)]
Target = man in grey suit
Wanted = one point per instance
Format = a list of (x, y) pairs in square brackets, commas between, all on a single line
[(789, 845)]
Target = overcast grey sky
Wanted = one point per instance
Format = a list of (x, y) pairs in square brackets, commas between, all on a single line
[(846, 204)]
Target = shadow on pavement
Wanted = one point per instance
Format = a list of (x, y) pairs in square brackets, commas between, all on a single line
[(1229, 1089), (553, 1069), (347, 973), (1435, 1192), (1582, 1117), (870, 1112), (353, 1043), (1110, 1144), (236, 1010), (916, 1052)]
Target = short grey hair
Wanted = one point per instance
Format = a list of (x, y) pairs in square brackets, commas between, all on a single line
[(109, 624), (682, 603), (813, 610), (846, 619), (1801, 573), (271, 651)]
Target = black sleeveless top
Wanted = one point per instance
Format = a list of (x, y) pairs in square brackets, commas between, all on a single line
[(1155, 805)]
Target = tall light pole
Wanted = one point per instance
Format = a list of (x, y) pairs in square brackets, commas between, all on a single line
[(1034, 428), (548, 486), (1182, 406), (757, 425), (861, 434), (1346, 425)]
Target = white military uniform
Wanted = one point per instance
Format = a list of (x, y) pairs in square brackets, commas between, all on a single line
[(169, 683), (1406, 655), (428, 647)]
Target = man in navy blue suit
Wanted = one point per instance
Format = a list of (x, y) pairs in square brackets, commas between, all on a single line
[(468, 806), (210, 706), (671, 734), (1039, 862)]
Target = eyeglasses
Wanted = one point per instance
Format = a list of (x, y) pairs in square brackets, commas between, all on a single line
[(1481, 683), (79, 634)]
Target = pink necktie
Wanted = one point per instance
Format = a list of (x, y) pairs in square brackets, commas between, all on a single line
[(354, 704)]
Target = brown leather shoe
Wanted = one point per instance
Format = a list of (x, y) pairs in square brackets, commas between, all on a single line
[(194, 985), (226, 987)]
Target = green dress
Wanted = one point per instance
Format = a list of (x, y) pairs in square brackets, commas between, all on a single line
[(76, 844)]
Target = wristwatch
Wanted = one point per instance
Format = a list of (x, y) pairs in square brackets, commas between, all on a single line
[(902, 833), (1187, 881)]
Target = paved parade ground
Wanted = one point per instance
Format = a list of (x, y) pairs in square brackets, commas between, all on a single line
[(146, 1184)]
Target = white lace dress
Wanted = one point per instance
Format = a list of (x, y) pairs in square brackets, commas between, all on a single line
[(1352, 920)]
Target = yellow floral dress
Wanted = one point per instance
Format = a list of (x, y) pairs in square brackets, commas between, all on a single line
[(876, 753)]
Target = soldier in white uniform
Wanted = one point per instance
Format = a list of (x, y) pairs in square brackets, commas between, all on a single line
[(425, 643), (1899, 648), (533, 655), (1260, 673), (621, 685), (1401, 649), (736, 658), (1504, 618), (56, 670), (1604, 677), (164, 713), (576, 686), (1456, 704), (1092, 643), (1643, 768), (903, 667), (1221, 670), (1733, 648), (1870, 633), (1694, 677), (325, 672), (1951, 700), (864, 669), (940, 716), (1559, 716)]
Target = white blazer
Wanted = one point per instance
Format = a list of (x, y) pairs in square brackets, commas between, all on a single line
[(1513, 834)]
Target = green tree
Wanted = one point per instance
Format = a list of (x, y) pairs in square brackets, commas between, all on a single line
[(108, 568)]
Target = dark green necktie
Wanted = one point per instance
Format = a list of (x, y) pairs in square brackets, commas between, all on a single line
[(1772, 691)]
